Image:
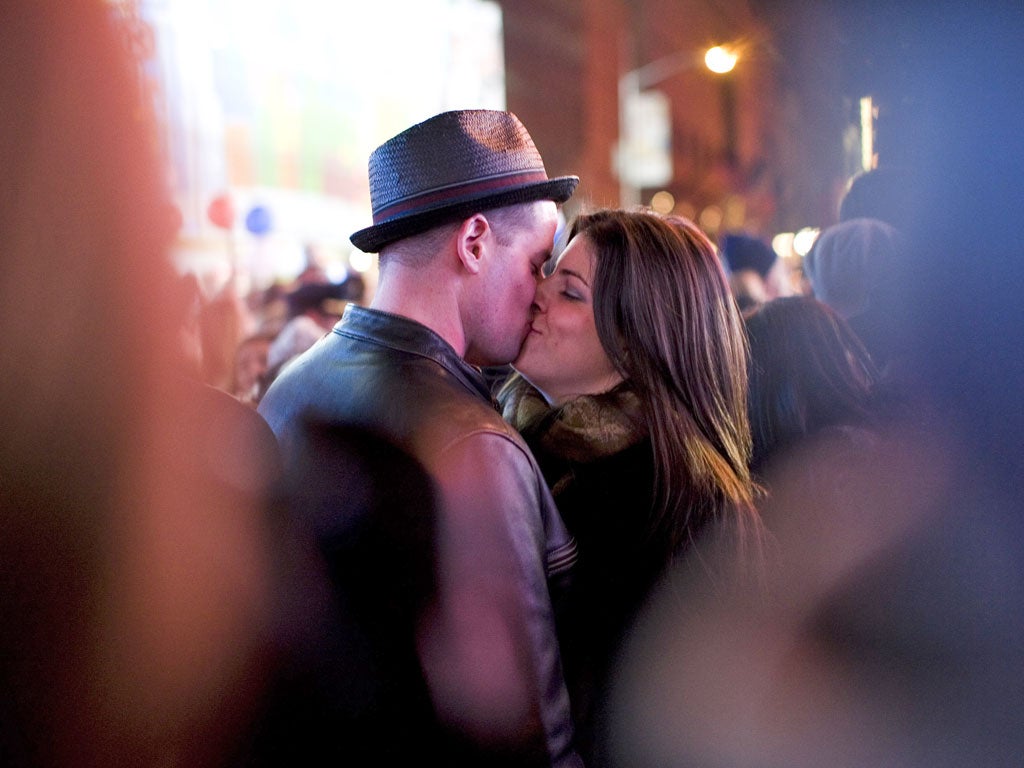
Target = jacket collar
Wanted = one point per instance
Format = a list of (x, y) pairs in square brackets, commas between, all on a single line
[(405, 335)]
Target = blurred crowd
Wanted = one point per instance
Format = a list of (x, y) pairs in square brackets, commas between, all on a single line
[(238, 344)]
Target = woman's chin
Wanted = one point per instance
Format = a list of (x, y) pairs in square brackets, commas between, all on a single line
[(521, 364)]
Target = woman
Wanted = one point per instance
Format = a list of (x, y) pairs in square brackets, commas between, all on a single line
[(631, 391), (810, 375)]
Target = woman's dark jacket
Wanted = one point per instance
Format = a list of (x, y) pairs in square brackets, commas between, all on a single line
[(596, 455)]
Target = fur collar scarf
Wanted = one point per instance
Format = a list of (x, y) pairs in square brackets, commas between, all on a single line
[(585, 428)]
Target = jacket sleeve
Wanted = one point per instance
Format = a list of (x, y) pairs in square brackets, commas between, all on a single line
[(490, 653)]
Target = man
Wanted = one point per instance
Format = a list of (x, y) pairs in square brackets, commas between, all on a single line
[(464, 218)]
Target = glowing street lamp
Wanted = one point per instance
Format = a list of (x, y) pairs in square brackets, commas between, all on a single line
[(720, 60), (643, 156)]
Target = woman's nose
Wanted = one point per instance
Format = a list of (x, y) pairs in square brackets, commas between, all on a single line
[(540, 296)]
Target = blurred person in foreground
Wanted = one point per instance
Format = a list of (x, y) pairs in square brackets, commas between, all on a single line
[(894, 636), (347, 688), (464, 218), (135, 563), (631, 392)]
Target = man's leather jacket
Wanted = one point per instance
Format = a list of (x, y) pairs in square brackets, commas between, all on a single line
[(490, 655)]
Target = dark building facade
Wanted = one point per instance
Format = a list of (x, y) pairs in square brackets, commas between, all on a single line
[(770, 145)]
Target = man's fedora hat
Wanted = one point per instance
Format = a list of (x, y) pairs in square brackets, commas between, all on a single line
[(449, 167)]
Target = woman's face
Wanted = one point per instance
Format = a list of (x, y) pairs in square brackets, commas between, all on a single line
[(562, 355)]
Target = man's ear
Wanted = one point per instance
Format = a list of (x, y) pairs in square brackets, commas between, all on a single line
[(471, 240)]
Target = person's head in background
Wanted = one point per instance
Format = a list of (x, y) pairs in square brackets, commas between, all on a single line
[(313, 270), (853, 267), (269, 308), (879, 193), (808, 371), (313, 309), (324, 303), (462, 242), (643, 298), (251, 366), (752, 266)]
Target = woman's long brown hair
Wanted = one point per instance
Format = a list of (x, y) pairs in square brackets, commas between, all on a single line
[(668, 322)]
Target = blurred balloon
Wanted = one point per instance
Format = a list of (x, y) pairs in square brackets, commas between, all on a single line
[(221, 211), (258, 220)]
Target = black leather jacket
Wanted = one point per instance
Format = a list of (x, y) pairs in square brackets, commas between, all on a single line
[(491, 656)]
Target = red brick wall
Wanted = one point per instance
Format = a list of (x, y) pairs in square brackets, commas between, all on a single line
[(564, 59)]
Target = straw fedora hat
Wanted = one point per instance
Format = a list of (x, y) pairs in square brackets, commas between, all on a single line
[(449, 167)]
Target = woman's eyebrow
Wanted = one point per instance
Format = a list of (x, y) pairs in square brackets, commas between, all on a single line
[(577, 275)]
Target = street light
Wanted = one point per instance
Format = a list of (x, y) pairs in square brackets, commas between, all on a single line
[(720, 60), (643, 157)]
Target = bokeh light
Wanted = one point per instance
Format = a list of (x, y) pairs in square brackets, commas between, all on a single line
[(361, 262), (720, 60), (804, 239), (710, 219), (663, 202), (782, 244)]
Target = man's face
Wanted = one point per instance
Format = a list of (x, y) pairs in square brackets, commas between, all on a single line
[(509, 280)]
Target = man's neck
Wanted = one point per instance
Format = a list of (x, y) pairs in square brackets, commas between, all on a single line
[(415, 297)]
